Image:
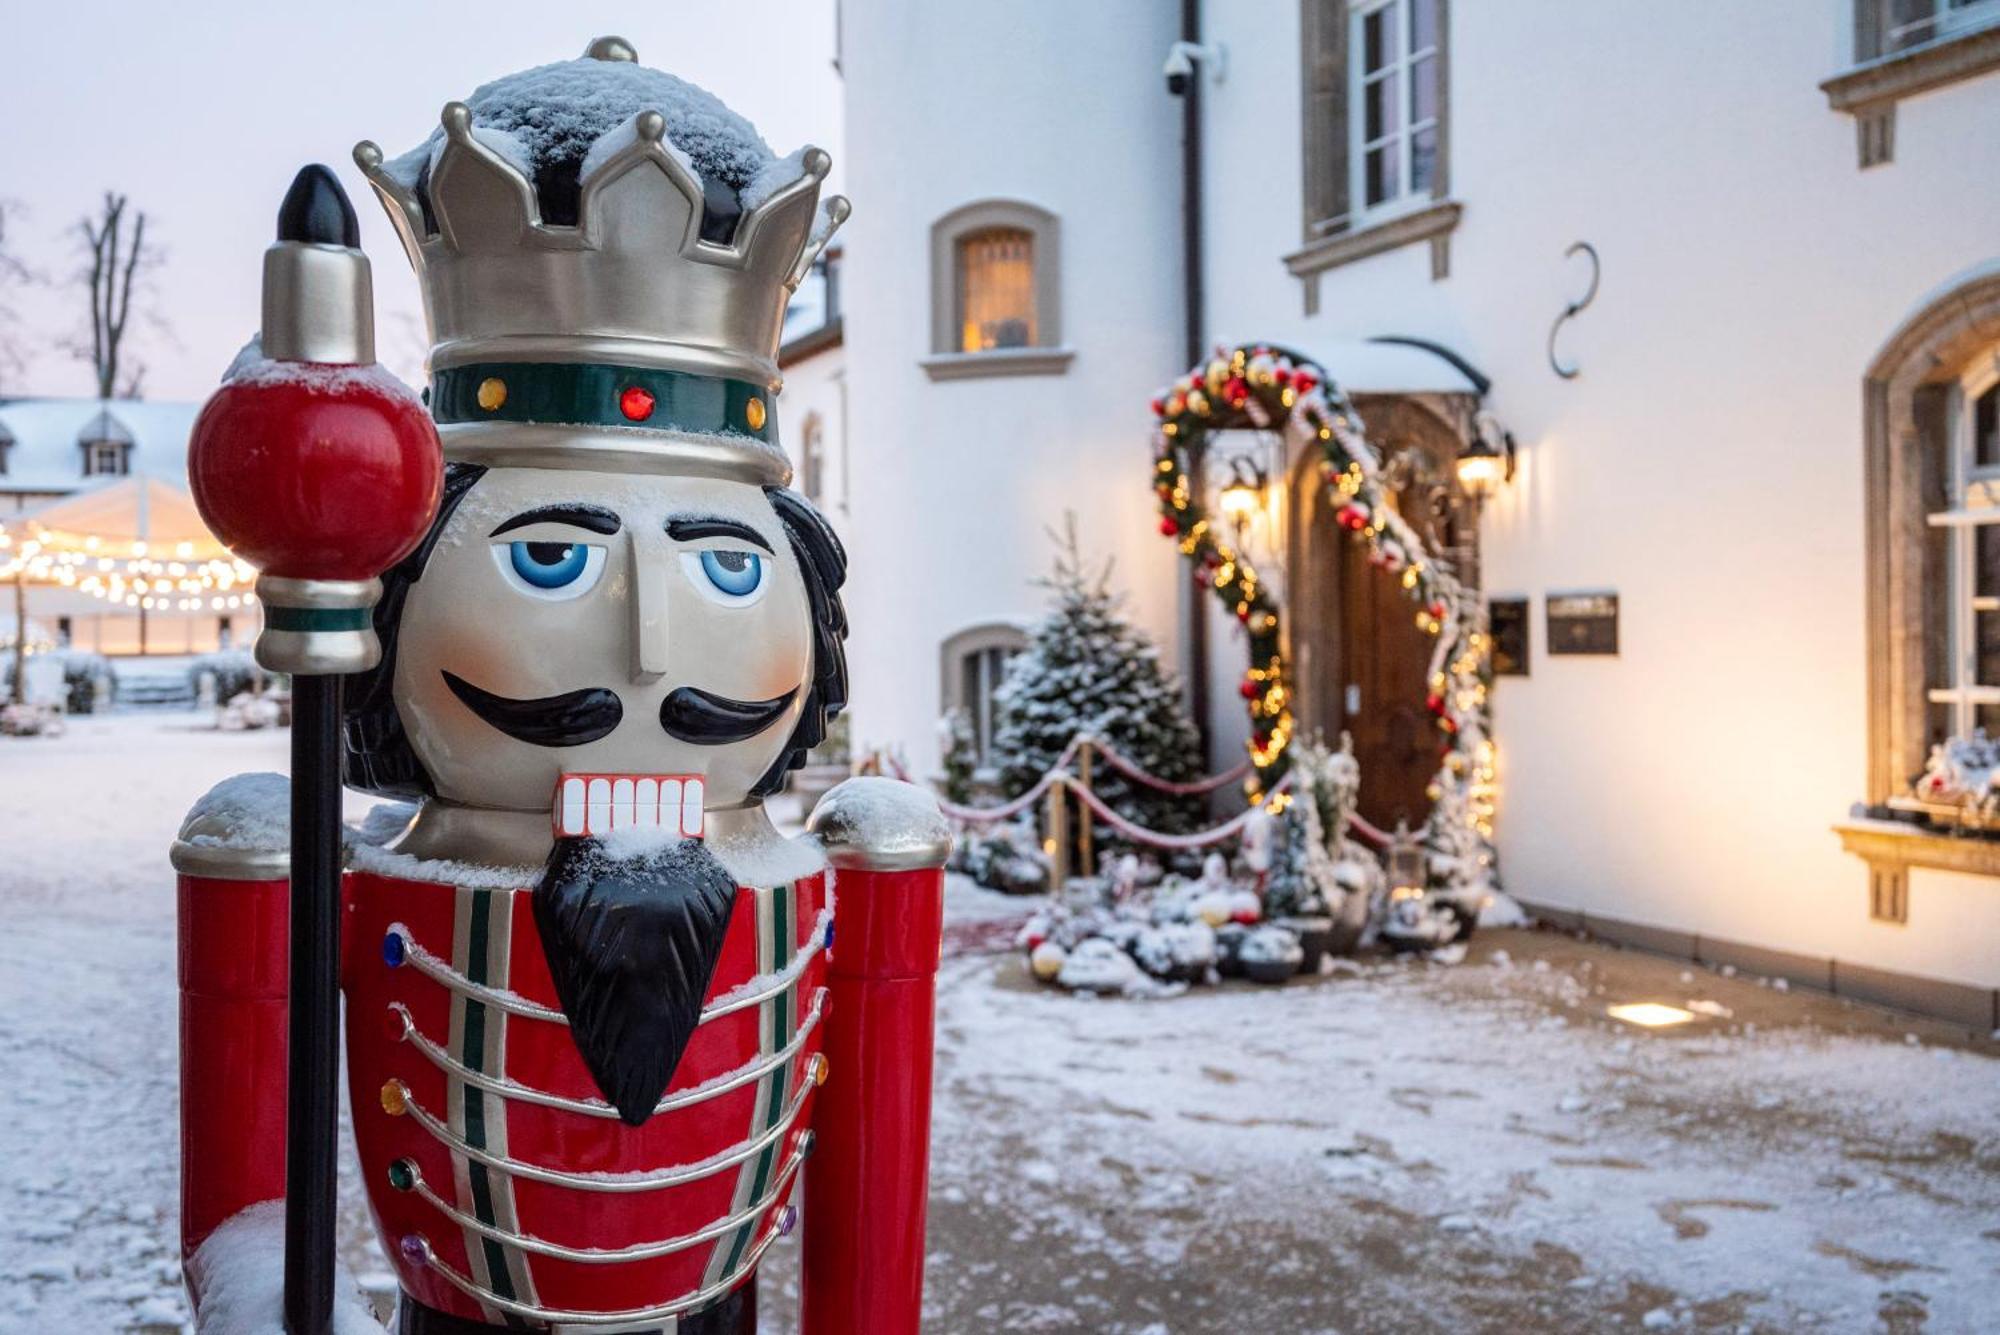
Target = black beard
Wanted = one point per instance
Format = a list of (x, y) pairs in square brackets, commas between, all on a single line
[(707, 719), (570, 719), (632, 944)]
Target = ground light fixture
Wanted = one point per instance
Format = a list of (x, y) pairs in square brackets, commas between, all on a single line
[(1649, 1014)]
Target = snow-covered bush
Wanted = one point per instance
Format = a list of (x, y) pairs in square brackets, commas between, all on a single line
[(1097, 965), (1005, 857), (1178, 953), (88, 681), (961, 755), (233, 671), (1318, 870)]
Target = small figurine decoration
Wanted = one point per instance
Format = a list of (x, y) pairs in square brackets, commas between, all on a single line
[(596, 1029)]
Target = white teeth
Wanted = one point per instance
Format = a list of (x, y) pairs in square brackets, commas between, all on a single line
[(569, 819), (691, 815), (594, 805)]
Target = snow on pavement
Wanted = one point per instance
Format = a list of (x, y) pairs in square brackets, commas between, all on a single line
[(1392, 1149)]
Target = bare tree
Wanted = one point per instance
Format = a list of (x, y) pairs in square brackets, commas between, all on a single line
[(13, 274), (114, 245)]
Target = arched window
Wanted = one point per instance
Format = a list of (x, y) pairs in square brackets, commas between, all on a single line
[(995, 292), (1932, 448), (974, 663)]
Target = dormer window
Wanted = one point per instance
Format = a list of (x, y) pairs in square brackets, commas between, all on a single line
[(6, 447), (106, 446)]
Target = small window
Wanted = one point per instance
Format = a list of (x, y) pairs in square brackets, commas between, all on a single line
[(104, 459), (1395, 56), (975, 663), (812, 457), (1908, 24), (996, 290)]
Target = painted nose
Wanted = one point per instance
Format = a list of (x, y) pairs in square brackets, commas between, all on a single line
[(649, 615)]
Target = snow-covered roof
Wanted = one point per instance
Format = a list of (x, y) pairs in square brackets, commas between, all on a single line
[(104, 429), (46, 433), (1386, 368)]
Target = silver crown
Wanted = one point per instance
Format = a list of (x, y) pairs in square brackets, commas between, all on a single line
[(632, 283)]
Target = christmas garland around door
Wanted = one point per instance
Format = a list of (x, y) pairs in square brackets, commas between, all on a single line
[(1262, 388)]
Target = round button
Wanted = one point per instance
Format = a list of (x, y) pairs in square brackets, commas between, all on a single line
[(636, 403), (753, 413), (492, 393)]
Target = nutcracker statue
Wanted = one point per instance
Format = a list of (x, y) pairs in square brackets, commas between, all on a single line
[(598, 1031)]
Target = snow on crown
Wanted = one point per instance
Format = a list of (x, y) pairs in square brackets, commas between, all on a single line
[(633, 280)]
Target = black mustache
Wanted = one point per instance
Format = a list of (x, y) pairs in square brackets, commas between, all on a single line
[(706, 719), (570, 719)]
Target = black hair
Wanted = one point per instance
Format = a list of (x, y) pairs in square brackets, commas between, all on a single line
[(376, 755), (376, 751), (823, 563)]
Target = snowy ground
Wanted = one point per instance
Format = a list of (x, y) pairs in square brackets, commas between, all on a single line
[(1395, 1148)]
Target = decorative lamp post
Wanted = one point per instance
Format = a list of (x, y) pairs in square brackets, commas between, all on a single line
[(322, 471)]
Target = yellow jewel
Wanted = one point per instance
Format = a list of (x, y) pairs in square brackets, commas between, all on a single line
[(395, 1101), (753, 413), (492, 393)]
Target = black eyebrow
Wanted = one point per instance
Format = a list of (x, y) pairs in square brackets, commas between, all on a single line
[(593, 517), (711, 526)]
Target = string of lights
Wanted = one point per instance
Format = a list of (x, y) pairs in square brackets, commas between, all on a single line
[(1262, 388), (177, 577)]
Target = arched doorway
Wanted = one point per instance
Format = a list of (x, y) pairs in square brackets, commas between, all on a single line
[(1361, 663)]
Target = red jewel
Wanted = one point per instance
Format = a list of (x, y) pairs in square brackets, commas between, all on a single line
[(1168, 527), (636, 403)]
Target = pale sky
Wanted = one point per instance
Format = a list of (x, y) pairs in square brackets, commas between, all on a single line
[(202, 110)]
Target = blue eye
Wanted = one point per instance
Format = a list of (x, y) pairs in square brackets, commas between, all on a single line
[(729, 577), (550, 570)]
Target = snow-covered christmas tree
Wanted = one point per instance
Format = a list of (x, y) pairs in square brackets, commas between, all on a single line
[(1088, 670)]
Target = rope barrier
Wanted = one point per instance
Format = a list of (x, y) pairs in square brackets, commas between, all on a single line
[(1139, 834), (1137, 775)]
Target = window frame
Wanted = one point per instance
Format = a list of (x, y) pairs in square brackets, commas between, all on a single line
[(1972, 498), (1047, 355), (99, 450), (1880, 75), (1408, 197), (1333, 230), (980, 642)]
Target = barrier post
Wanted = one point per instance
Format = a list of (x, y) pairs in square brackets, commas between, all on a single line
[(1086, 829), (1055, 834)]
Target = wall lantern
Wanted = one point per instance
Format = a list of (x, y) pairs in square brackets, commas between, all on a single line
[(1243, 496), (1488, 460)]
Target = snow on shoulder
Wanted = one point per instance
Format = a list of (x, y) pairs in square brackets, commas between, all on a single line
[(252, 367), (239, 1275), (882, 823), (249, 813)]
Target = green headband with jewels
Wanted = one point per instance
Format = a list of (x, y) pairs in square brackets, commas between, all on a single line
[(594, 394)]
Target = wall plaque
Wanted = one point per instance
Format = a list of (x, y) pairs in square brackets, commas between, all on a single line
[(1507, 619), (1583, 623)]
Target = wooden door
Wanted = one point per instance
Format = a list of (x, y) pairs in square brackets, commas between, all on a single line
[(1362, 660)]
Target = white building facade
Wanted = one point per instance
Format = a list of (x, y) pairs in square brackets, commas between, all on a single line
[(1774, 451)]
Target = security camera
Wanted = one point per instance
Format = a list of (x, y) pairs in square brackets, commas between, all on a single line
[(1181, 57)]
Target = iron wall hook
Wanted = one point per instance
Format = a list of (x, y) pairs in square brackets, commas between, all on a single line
[(1570, 311)]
